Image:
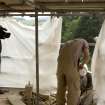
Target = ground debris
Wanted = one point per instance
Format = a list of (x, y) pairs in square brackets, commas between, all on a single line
[(85, 99), (43, 99), (15, 100)]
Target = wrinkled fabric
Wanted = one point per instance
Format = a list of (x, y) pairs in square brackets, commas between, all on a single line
[(18, 54), (98, 67)]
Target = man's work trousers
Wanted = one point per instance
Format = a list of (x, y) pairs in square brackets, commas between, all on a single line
[(69, 81)]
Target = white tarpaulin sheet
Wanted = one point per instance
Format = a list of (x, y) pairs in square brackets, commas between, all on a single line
[(98, 67), (18, 54)]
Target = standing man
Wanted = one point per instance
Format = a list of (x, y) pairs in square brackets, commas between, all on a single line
[(68, 77)]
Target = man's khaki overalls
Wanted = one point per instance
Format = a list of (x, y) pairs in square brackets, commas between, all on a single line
[(68, 77)]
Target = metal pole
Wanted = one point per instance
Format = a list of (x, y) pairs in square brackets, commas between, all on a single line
[(37, 58)]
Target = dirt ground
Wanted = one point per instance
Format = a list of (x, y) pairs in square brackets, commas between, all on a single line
[(86, 98), (7, 92)]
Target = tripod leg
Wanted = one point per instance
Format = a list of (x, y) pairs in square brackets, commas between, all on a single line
[(0, 62)]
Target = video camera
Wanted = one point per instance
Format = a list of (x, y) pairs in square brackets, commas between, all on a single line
[(3, 33)]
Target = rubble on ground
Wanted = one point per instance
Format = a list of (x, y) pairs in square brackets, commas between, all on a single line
[(29, 97)]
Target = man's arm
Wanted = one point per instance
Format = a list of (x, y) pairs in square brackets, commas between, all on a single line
[(85, 57)]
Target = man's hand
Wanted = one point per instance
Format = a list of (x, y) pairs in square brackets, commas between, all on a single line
[(80, 66)]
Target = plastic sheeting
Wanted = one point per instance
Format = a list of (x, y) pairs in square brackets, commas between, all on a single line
[(98, 67), (18, 54)]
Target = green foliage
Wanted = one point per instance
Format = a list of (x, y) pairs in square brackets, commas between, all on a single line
[(68, 27), (88, 28)]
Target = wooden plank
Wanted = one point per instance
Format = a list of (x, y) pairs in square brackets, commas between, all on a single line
[(49, 0), (15, 100), (70, 6), (56, 1), (94, 0)]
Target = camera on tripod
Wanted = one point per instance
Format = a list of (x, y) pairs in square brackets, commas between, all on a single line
[(3, 33)]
